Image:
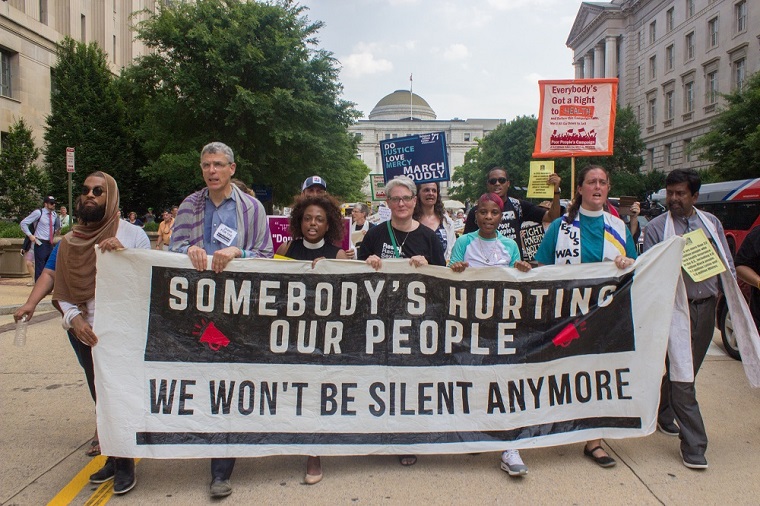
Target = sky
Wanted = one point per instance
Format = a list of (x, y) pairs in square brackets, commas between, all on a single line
[(468, 58)]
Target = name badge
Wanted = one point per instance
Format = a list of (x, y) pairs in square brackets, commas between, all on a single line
[(225, 234)]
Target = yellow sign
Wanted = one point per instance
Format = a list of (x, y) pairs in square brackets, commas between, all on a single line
[(538, 183), (700, 261)]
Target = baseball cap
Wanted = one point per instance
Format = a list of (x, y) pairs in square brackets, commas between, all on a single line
[(313, 180), (49, 200)]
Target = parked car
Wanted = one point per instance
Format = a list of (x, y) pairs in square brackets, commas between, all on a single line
[(723, 322)]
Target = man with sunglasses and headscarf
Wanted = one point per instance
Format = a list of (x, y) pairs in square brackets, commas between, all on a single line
[(515, 211), (74, 289)]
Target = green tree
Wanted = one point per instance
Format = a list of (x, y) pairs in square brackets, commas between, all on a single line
[(88, 115), (248, 74), (22, 183), (627, 145), (733, 142), (510, 146)]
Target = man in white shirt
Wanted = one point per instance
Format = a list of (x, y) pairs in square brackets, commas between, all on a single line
[(46, 224)]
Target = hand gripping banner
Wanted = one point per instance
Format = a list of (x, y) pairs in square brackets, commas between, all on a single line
[(273, 357)]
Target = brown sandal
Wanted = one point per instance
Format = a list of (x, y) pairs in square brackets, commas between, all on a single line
[(94, 449)]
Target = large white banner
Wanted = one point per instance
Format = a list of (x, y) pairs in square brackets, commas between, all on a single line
[(271, 357)]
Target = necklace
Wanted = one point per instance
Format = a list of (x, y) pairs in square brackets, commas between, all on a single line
[(490, 251), (401, 247)]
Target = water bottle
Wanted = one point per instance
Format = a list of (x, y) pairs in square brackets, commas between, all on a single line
[(21, 326)]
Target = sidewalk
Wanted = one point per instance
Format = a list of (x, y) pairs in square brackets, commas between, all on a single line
[(13, 293), (48, 420)]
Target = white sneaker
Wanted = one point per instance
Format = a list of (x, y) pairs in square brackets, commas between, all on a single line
[(513, 464)]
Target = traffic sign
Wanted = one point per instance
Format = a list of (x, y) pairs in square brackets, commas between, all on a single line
[(70, 160)]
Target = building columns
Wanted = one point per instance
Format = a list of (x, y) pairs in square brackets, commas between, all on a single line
[(610, 56), (588, 71), (578, 69), (598, 61)]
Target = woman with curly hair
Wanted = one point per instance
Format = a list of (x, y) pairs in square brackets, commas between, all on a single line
[(429, 212), (316, 225)]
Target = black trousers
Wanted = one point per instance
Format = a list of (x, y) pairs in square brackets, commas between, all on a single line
[(221, 469), (84, 356), (678, 400)]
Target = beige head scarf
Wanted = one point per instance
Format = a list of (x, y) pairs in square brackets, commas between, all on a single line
[(75, 264)]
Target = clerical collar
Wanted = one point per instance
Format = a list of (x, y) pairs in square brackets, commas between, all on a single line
[(591, 214), (314, 245)]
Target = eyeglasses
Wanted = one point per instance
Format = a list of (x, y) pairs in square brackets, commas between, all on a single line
[(216, 164), (500, 180), (396, 200), (96, 191)]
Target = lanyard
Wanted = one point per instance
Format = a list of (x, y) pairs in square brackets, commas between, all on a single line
[(396, 253)]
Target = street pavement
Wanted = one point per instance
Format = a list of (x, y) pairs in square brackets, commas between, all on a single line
[(48, 419)]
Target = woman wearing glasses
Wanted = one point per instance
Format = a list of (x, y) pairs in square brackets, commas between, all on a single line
[(401, 236), (586, 234)]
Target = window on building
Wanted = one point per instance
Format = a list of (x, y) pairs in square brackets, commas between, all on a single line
[(44, 12), (650, 158), (6, 74), (741, 16), (83, 27), (652, 32), (740, 73), (387, 136), (712, 33), (640, 37), (667, 155), (688, 97), (669, 22), (689, 8), (670, 55), (639, 75), (669, 112), (638, 115), (687, 150), (113, 52), (394, 136), (652, 119), (711, 87), (467, 137), (689, 49), (653, 67)]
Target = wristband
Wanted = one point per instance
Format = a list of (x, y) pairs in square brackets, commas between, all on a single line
[(557, 192)]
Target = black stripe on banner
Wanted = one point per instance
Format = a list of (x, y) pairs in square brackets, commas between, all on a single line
[(396, 438)]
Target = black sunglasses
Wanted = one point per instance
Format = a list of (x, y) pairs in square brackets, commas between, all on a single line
[(500, 180), (96, 190)]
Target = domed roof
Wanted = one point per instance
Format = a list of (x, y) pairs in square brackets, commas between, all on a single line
[(396, 106)]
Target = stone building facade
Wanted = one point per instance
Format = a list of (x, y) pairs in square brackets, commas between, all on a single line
[(673, 59), (29, 31)]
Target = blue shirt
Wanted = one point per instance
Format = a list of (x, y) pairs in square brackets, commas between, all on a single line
[(225, 213), (50, 264)]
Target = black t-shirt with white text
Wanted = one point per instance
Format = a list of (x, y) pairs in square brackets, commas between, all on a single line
[(421, 241)]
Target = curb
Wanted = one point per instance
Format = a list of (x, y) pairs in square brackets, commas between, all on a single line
[(45, 305)]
